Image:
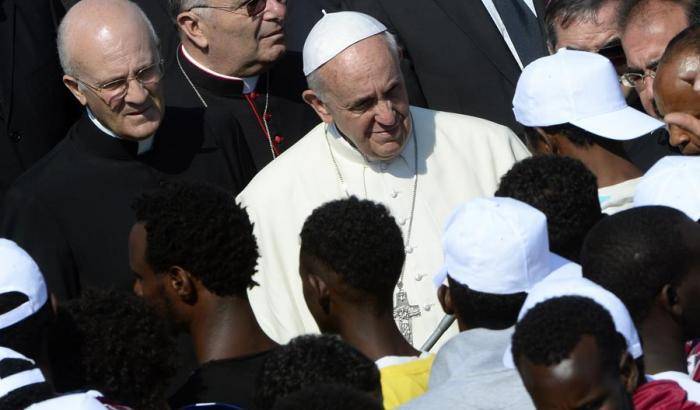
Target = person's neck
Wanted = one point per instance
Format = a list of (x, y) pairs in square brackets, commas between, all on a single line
[(225, 328), (214, 64), (610, 167), (377, 336), (664, 345)]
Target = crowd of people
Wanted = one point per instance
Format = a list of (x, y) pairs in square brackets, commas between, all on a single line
[(349, 204)]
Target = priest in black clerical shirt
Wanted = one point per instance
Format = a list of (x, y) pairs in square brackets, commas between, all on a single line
[(71, 211), (234, 57)]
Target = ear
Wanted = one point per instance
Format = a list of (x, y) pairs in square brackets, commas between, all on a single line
[(311, 98), (629, 372), (182, 284), (72, 84), (669, 300), (445, 299), (549, 145), (191, 24), (321, 292)]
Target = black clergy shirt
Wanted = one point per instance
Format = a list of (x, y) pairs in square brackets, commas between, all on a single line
[(72, 211), (288, 117)]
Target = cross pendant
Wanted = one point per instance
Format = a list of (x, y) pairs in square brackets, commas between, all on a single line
[(404, 312)]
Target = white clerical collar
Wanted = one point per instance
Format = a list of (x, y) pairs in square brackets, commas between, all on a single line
[(344, 149), (145, 145), (249, 83)]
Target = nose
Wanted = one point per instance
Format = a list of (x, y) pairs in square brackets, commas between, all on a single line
[(678, 137), (275, 10), (385, 113), (136, 93)]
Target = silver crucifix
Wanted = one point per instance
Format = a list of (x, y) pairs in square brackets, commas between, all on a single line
[(404, 312)]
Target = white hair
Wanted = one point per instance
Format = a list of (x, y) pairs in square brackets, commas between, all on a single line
[(315, 79), (63, 38)]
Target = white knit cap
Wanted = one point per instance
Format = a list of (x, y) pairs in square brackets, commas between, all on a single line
[(19, 273), (553, 288), (334, 33), (498, 245), (673, 181), (20, 379)]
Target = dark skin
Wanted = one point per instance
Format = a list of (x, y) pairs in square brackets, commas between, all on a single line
[(674, 93), (220, 327), (445, 299), (338, 309), (606, 159), (674, 316), (579, 382)]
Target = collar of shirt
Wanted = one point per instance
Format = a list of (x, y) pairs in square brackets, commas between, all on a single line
[(249, 83), (342, 148), (145, 145), (491, 8)]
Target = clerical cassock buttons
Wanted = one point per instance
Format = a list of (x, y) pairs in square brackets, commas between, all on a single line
[(409, 249), (15, 136)]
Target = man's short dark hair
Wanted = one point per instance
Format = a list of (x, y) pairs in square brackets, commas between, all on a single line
[(485, 310), (328, 396), (551, 330), (309, 360), (567, 12), (634, 253), (630, 9), (24, 396), (578, 136), (564, 190), (687, 40), (112, 342), (27, 336), (360, 241), (199, 227)]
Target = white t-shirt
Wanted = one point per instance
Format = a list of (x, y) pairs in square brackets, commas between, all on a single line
[(689, 385), (618, 197)]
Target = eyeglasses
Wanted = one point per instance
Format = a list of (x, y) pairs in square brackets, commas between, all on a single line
[(636, 79), (114, 91), (252, 7)]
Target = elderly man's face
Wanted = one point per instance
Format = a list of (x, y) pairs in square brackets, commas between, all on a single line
[(114, 54), (249, 43), (673, 92), (366, 98), (645, 40)]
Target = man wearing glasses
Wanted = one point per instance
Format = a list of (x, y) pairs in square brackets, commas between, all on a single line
[(233, 55), (647, 26), (71, 211)]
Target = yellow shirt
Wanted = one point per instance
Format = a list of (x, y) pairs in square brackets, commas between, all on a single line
[(405, 381)]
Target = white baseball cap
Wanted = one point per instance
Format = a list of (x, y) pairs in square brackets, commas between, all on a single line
[(580, 88), (673, 181), (554, 288), (76, 401), (20, 379), (19, 273), (498, 245), (334, 33)]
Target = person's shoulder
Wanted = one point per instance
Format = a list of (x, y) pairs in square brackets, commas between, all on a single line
[(293, 164), (466, 125)]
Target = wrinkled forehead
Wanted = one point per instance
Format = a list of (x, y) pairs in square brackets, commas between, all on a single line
[(673, 86), (368, 61)]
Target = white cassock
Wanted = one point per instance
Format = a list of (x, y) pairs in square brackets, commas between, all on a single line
[(459, 158)]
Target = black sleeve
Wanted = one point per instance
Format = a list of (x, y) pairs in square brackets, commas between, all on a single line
[(27, 222), (376, 10)]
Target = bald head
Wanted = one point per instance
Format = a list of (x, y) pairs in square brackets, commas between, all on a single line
[(95, 27)]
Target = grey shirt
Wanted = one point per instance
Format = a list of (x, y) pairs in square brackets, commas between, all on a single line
[(468, 372)]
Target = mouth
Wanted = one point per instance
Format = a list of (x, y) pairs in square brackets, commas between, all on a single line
[(278, 32), (138, 111)]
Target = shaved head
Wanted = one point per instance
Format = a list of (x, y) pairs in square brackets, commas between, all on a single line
[(92, 25)]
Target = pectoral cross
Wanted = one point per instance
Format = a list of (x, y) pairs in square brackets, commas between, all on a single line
[(404, 312)]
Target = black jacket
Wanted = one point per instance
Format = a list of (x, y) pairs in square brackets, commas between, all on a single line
[(455, 58), (72, 211)]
